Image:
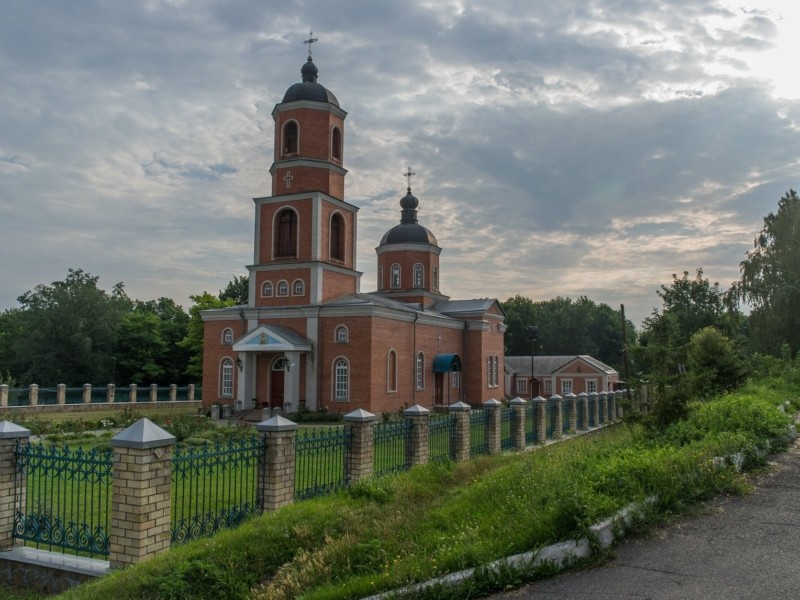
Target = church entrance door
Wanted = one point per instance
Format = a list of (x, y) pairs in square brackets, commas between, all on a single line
[(438, 388), (276, 387)]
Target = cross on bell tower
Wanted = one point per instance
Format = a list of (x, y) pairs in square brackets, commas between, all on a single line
[(311, 39), (408, 175)]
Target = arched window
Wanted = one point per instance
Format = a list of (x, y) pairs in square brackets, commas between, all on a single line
[(391, 371), (420, 371), (286, 233), (336, 143), (291, 138), (337, 237), (298, 288), (380, 277), (435, 284), (283, 288), (496, 369), (418, 275), (395, 275), (226, 378), (341, 335), (266, 289), (227, 336), (341, 380)]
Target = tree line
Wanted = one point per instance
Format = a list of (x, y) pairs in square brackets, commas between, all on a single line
[(74, 332)]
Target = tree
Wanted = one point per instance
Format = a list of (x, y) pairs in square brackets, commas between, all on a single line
[(714, 363), (64, 332), (770, 280), (238, 290), (193, 341), (566, 327)]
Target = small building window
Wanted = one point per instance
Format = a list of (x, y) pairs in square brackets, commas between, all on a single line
[(342, 335), (566, 386), (548, 386), (418, 275), (456, 379), (420, 371), (227, 336), (226, 378), (591, 386), (391, 371), (283, 288), (522, 386), (337, 237), (266, 289), (395, 275), (298, 288), (291, 138), (336, 144), (341, 383)]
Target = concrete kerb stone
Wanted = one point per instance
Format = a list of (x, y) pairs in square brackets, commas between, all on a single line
[(560, 555)]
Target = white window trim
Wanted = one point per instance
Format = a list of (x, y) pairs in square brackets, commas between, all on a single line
[(564, 383), (278, 289), (341, 144), (419, 282), (419, 373), (547, 386), (275, 230), (264, 293), (522, 386), (283, 138), (391, 386), (396, 267), (591, 381), (302, 291), (335, 397), (227, 332), (336, 331), (225, 384)]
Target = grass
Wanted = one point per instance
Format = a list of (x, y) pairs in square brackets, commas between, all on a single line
[(388, 532)]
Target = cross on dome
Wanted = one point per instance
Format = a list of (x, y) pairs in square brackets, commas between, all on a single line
[(408, 174), (311, 39)]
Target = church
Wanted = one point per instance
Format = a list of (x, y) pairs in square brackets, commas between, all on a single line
[(308, 338)]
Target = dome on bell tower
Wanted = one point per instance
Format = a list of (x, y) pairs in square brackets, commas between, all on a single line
[(309, 89), (409, 231)]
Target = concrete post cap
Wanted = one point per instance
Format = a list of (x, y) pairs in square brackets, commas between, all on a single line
[(276, 423), (142, 435), (492, 402), (416, 411), (9, 430), (359, 416), (460, 406), (517, 401)]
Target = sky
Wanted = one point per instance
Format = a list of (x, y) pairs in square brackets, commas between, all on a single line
[(584, 147)]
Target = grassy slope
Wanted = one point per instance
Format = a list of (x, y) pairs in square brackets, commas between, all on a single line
[(391, 531)]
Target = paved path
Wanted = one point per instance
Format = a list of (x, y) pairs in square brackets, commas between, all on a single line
[(741, 547)]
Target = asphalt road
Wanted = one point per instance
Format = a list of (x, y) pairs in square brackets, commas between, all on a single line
[(741, 547)]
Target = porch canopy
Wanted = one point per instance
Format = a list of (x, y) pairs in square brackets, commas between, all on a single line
[(271, 338), (444, 363)]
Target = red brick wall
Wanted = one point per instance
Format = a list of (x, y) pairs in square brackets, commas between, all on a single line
[(337, 284), (266, 215), (289, 276), (407, 259), (213, 353)]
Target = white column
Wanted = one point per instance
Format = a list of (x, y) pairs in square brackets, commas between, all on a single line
[(312, 368), (291, 383)]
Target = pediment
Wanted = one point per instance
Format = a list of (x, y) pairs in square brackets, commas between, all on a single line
[(272, 338)]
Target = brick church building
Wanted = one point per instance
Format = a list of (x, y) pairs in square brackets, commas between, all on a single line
[(308, 337)]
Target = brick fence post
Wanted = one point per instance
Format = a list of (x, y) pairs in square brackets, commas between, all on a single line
[(173, 392), (153, 392), (604, 407), (10, 434), (361, 453), (4, 395), (541, 419), (276, 476), (418, 451), (111, 392), (139, 526), (518, 423), (620, 402), (87, 393), (583, 406), (132, 393), (612, 406), (494, 426), (33, 394), (61, 393), (190, 392), (461, 440), (572, 403), (558, 418), (594, 400)]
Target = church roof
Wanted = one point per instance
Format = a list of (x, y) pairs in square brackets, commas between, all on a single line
[(455, 307), (550, 364), (309, 89)]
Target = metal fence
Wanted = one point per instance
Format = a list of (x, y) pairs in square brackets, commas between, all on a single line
[(550, 411), (580, 402), (506, 428), (441, 431), (531, 431), (566, 403), (320, 461), (477, 433), (391, 441), (47, 395), (62, 498), (214, 487), (592, 403)]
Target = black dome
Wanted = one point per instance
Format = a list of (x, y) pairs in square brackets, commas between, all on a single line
[(409, 231), (309, 89)]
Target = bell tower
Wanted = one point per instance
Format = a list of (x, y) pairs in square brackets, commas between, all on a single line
[(305, 240)]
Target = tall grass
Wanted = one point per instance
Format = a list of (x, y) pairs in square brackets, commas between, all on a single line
[(388, 532)]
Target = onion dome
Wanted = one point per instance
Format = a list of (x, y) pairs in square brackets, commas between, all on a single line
[(409, 231), (309, 89)]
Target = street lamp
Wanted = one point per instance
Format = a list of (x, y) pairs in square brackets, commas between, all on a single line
[(533, 333)]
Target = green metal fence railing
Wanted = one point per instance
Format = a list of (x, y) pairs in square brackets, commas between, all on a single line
[(320, 461), (391, 441)]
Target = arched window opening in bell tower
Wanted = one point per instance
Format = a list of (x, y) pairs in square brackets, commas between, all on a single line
[(395, 276), (291, 138), (337, 237), (286, 234), (418, 275), (336, 144)]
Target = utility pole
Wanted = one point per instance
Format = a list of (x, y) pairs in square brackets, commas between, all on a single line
[(625, 354)]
